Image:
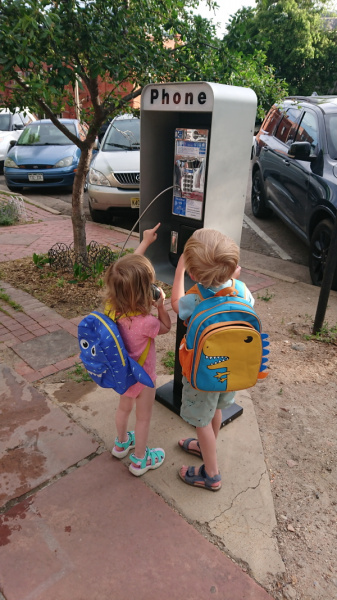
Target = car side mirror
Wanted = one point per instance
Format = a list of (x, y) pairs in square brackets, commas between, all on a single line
[(18, 127), (300, 151), (12, 143)]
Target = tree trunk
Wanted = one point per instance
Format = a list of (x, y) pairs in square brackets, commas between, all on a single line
[(78, 216)]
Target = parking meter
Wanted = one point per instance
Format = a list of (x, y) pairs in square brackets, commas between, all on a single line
[(196, 140)]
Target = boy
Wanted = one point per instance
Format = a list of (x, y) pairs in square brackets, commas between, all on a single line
[(211, 259)]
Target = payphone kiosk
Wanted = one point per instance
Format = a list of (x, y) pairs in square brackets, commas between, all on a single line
[(196, 140)]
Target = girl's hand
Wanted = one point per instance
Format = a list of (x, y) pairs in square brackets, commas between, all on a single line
[(160, 302), (150, 235)]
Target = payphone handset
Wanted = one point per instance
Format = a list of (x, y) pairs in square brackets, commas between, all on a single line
[(189, 186)]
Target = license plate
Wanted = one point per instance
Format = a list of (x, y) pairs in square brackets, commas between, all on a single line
[(35, 176), (134, 202)]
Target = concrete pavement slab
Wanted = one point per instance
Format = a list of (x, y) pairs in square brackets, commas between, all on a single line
[(37, 439), (15, 240), (47, 349), (101, 533), (240, 517)]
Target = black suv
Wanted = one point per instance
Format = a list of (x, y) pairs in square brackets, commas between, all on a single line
[(294, 172)]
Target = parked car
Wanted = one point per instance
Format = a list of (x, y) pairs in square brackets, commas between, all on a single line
[(113, 178), (11, 126), (43, 156), (103, 129), (294, 172)]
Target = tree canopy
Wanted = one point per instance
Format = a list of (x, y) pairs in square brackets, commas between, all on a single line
[(296, 38), (48, 47)]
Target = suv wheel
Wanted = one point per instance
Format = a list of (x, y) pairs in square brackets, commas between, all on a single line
[(319, 248), (100, 216), (259, 206)]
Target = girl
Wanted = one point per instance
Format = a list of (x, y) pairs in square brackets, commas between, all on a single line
[(129, 292)]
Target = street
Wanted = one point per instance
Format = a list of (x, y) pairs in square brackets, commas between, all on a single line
[(269, 237)]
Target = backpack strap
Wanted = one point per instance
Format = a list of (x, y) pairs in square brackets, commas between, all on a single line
[(144, 354), (238, 288), (112, 315), (113, 335)]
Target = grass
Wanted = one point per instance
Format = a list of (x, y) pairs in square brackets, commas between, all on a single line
[(168, 361), (79, 374), (327, 334), (6, 298), (266, 297)]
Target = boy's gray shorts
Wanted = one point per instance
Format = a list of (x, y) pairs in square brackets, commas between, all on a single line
[(198, 408)]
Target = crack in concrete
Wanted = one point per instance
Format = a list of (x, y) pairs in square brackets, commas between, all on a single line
[(239, 494)]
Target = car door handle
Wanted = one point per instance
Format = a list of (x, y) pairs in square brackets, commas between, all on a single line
[(287, 162)]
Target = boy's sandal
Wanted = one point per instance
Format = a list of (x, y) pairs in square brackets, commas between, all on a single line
[(185, 446), (199, 478), (124, 446), (153, 458)]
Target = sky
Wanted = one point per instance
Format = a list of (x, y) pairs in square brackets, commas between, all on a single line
[(222, 14)]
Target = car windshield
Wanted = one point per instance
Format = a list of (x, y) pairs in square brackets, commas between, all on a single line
[(5, 120), (45, 134), (331, 133), (123, 134)]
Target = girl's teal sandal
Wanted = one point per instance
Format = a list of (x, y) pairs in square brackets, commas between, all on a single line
[(125, 447), (154, 457)]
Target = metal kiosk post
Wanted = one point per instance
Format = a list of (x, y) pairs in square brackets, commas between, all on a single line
[(196, 141)]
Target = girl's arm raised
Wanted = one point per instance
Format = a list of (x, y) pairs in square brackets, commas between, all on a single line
[(149, 236)]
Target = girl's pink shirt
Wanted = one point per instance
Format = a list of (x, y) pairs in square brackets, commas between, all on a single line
[(135, 332)]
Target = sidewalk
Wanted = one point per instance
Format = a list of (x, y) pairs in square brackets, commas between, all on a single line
[(74, 524)]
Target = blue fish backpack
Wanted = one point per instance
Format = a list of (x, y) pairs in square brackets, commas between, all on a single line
[(224, 349), (103, 353)]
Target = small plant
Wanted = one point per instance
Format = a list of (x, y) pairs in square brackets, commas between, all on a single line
[(326, 334), (168, 361), (81, 273), (6, 298), (9, 213), (267, 296), (79, 374), (60, 282), (97, 268), (40, 260)]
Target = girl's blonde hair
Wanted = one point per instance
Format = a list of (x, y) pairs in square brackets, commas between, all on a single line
[(210, 257), (128, 284)]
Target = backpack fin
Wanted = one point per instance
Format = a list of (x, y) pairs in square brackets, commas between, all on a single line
[(139, 373)]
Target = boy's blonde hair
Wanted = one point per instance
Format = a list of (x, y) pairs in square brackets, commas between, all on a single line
[(128, 284), (210, 257)]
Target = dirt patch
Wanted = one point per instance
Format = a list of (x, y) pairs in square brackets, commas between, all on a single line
[(296, 409)]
